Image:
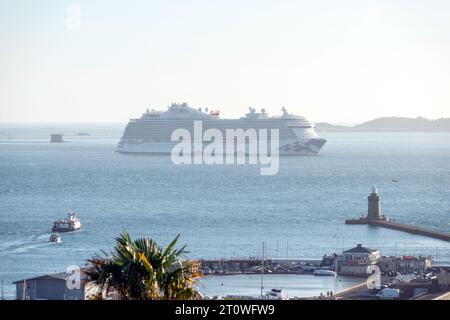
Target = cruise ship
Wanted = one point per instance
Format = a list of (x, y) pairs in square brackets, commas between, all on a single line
[(152, 132)]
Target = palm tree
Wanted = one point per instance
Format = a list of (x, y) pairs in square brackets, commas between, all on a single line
[(141, 270)]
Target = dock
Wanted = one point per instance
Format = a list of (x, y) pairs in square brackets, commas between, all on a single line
[(374, 218), (258, 265)]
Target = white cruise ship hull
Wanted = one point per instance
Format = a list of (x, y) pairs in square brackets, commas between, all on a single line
[(287, 148), (152, 133)]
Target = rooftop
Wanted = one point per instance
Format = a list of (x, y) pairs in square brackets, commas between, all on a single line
[(360, 249), (56, 276)]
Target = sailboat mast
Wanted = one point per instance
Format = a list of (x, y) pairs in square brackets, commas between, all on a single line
[(262, 269)]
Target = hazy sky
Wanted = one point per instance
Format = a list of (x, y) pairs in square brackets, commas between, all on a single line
[(338, 61)]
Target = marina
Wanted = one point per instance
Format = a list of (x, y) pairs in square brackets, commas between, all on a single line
[(300, 286), (356, 261)]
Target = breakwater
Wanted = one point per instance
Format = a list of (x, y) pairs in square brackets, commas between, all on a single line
[(413, 229), (375, 218), (402, 227)]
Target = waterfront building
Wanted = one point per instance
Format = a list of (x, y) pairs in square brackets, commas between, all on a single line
[(329, 260), (405, 264), (49, 287), (59, 286), (355, 261)]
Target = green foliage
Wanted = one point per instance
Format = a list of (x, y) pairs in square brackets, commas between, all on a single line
[(141, 270)]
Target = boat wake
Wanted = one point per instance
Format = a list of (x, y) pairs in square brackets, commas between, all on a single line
[(25, 244)]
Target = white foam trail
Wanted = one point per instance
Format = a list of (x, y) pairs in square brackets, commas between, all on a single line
[(25, 244)]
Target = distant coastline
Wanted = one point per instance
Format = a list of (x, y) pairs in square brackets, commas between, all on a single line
[(390, 124), (383, 124)]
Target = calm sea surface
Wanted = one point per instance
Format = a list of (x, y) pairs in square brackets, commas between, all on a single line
[(220, 211)]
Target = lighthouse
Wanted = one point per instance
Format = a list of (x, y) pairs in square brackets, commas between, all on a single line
[(374, 209)]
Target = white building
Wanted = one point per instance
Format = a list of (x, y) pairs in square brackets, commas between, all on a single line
[(405, 264), (355, 261)]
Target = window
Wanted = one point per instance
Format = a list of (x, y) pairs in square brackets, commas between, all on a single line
[(21, 285)]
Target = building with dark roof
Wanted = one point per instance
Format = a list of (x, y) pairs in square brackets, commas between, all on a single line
[(56, 286), (356, 261), (360, 249)]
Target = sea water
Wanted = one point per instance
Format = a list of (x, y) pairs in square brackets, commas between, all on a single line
[(219, 210)]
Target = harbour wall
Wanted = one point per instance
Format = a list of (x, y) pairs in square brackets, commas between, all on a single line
[(402, 227), (254, 266)]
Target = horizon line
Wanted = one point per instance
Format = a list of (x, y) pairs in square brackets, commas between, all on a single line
[(124, 122)]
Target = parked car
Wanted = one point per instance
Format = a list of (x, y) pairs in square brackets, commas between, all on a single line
[(389, 294), (377, 290)]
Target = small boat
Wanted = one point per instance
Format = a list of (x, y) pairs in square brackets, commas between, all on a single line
[(72, 223), (275, 294), (394, 180), (55, 237), (322, 272)]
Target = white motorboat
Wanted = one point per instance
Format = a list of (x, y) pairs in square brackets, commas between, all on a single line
[(323, 272), (275, 294), (55, 237)]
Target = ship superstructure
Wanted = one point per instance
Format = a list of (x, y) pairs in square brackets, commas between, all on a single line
[(71, 223), (152, 132)]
